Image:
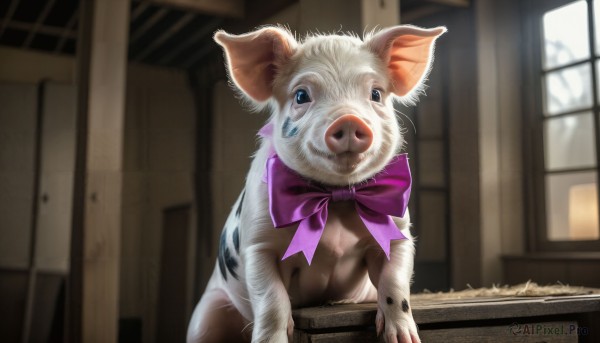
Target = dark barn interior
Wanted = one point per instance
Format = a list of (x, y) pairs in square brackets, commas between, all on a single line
[(123, 148)]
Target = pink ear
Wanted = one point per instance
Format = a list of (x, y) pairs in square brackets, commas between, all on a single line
[(407, 51), (253, 58)]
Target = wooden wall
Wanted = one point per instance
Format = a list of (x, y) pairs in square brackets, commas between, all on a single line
[(38, 150), (576, 269), (158, 173)]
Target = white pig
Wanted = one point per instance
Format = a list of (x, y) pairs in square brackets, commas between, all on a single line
[(333, 125)]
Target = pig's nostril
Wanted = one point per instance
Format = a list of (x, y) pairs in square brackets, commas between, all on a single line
[(348, 133)]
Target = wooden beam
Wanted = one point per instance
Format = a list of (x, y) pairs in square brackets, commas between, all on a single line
[(47, 30), (219, 8), (261, 10), (9, 14), (186, 19), (68, 29), (452, 3), (197, 56), (208, 29), (40, 19), (96, 247), (148, 24), (138, 10)]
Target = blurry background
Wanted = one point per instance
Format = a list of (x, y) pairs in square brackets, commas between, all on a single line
[(122, 149)]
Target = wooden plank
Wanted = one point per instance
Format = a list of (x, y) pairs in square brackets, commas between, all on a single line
[(221, 8), (451, 3), (253, 16), (555, 332), (95, 259), (44, 29), (67, 29), (40, 19), (8, 16), (13, 298), (74, 312), (465, 212), (337, 337), (508, 309), (163, 37), (206, 30), (140, 31), (172, 297), (593, 256), (335, 316), (425, 312)]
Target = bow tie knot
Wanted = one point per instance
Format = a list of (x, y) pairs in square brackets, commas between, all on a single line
[(293, 199), (342, 194)]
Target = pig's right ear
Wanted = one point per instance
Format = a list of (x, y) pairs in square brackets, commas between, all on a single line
[(253, 58)]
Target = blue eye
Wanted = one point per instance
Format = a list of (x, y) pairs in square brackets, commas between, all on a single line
[(301, 97), (376, 95)]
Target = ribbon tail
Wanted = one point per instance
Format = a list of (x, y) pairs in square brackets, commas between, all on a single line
[(307, 235), (381, 226)]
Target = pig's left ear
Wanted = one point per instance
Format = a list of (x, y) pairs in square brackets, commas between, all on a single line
[(253, 58), (408, 52)]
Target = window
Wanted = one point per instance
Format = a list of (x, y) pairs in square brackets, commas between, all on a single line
[(565, 61)]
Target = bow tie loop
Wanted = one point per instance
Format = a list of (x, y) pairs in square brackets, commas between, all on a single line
[(343, 194), (293, 199)]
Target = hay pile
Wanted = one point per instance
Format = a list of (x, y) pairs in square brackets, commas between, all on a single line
[(527, 289)]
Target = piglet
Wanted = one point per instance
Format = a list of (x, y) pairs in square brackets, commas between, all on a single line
[(322, 217)]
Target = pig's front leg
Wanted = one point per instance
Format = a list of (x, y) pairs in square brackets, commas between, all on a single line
[(268, 296), (392, 280)]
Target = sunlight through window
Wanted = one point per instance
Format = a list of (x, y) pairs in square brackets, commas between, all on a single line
[(569, 121), (566, 37)]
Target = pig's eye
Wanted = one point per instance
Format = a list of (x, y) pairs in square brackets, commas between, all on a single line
[(301, 97), (376, 95)]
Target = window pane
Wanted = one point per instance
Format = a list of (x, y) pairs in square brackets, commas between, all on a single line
[(597, 22), (598, 78), (569, 142), (568, 89), (572, 206), (566, 37)]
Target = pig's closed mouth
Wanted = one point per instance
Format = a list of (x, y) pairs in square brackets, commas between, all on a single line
[(348, 161), (345, 162)]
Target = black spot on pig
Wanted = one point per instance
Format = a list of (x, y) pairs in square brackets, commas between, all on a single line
[(236, 239), (405, 305), (389, 301), (231, 263), (287, 130), (238, 211), (221, 257), (227, 262)]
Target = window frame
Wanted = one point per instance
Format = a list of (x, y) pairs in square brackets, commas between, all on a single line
[(533, 132)]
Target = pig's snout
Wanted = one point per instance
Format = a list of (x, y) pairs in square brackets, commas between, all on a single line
[(348, 133)]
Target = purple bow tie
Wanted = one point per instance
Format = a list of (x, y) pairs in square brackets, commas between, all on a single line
[(293, 199)]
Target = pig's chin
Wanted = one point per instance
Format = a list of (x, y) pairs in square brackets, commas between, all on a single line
[(346, 163), (346, 169)]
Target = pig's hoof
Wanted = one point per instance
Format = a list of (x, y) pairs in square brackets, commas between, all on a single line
[(396, 326)]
